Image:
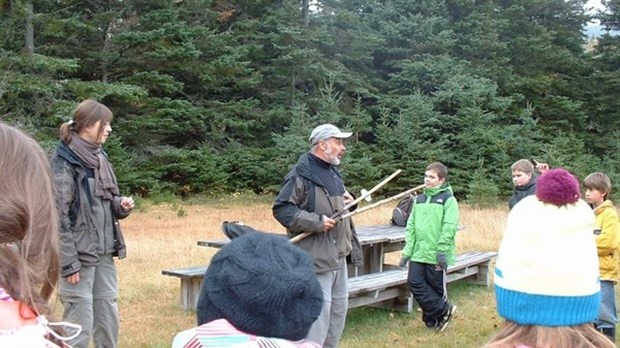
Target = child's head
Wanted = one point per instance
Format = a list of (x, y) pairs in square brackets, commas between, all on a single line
[(28, 223), (546, 273), (512, 334), (522, 171), (435, 175), (263, 285), (598, 187)]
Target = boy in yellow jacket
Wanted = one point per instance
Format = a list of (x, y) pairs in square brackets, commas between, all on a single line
[(607, 231)]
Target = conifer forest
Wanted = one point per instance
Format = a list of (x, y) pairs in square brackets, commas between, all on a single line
[(220, 96)]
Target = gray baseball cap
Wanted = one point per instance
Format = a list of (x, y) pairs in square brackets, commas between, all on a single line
[(326, 131)]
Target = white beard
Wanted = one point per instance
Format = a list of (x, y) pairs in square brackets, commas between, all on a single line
[(331, 157)]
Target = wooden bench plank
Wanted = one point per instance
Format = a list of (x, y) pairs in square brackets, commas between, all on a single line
[(375, 281), (191, 283), (388, 289), (186, 272), (395, 298)]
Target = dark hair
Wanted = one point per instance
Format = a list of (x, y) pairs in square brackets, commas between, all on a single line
[(85, 115), (29, 261), (600, 182), (439, 168)]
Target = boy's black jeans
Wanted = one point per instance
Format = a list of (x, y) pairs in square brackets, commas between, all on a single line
[(428, 287)]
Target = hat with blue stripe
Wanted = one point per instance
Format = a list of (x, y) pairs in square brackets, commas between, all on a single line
[(547, 267)]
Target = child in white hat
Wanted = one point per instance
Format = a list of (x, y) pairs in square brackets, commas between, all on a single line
[(546, 276)]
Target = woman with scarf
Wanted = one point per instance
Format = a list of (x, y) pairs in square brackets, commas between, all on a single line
[(89, 205)]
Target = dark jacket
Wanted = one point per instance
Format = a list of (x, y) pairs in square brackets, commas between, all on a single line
[(300, 205), (521, 192), (81, 239)]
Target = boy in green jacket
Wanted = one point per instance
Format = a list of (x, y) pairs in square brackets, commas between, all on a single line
[(430, 246)]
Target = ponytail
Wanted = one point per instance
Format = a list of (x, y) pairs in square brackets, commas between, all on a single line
[(65, 132)]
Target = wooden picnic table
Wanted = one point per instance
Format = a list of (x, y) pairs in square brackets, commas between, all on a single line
[(376, 283), (376, 240)]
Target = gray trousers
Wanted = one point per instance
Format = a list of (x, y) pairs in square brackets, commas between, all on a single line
[(92, 303), (328, 327)]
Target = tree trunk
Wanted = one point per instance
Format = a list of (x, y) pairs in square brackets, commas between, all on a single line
[(29, 35), (305, 12), (106, 49)]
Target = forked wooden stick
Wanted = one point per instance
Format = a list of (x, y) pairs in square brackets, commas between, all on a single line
[(366, 194), (381, 202), (340, 215)]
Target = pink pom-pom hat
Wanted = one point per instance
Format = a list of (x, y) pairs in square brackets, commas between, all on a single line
[(558, 187)]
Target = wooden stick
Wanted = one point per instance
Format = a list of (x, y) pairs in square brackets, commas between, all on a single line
[(381, 202), (366, 194), (338, 215)]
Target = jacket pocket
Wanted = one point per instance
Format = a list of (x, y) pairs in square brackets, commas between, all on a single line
[(86, 242)]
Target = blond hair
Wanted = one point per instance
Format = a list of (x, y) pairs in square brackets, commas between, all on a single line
[(512, 334)]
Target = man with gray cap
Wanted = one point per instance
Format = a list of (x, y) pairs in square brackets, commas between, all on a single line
[(313, 191)]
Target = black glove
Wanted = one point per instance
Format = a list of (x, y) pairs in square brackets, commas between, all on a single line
[(442, 260), (403, 262)]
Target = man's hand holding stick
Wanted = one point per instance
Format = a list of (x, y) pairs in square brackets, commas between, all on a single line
[(339, 214)]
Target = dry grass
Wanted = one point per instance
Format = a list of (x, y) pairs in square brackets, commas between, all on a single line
[(164, 236)]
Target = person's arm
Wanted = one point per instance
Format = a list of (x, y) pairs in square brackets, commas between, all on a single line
[(287, 209), (608, 241), (448, 229), (64, 188), (542, 168), (347, 198), (410, 237), (122, 206)]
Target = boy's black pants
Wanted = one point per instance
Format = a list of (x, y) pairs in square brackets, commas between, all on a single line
[(428, 287)]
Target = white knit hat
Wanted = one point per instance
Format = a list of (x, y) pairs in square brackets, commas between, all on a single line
[(547, 266)]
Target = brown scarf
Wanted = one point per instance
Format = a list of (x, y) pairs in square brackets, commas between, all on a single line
[(92, 155)]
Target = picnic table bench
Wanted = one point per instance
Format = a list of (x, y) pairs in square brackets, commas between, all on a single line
[(388, 288), (376, 283), (191, 282)]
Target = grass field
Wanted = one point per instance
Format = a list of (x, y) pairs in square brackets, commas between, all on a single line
[(164, 236)]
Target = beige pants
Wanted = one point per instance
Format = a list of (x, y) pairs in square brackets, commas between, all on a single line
[(92, 303)]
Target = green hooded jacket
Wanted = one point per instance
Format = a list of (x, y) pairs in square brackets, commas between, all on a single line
[(432, 226)]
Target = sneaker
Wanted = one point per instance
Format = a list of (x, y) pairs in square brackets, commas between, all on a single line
[(432, 324), (442, 324)]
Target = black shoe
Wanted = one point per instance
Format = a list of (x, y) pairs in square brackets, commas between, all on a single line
[(442, 324), (610, 332)]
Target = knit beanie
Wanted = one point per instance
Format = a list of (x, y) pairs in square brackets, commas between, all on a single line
[(547, 267), (263, 285)]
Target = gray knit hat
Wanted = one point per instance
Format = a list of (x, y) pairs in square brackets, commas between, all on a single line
[(263, 285), (326, 131)]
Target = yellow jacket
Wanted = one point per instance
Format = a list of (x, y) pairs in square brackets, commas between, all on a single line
[(608, 241)]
